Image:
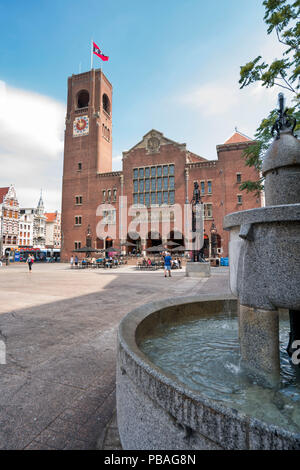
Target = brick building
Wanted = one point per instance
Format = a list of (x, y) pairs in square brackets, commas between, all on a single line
[(53, 230), (9, 220), (157, 173)]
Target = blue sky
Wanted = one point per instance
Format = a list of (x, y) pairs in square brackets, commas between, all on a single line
[(174, 66)]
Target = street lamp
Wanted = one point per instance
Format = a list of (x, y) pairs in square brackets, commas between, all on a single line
[(89, 237), (213, 239)]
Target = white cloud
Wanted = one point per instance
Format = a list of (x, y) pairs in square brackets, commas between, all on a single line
[(31, 145), (211, 98)]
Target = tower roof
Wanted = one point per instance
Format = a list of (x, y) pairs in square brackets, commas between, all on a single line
[(237, 137), (40, 203)]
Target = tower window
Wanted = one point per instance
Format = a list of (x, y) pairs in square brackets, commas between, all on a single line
[(106, 103), (79, 166), (78, 220), (83, 99), (240, 199), (239, 178)]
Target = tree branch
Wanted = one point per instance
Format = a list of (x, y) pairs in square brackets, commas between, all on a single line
[(280, 40), (288, 84), (287, 88)]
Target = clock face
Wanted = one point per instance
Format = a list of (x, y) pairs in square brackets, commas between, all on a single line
[(81, 126)]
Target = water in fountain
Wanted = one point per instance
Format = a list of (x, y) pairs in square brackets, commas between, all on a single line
[(204, 354)]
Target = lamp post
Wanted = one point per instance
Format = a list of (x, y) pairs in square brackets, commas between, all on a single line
[(89, 237), (213, 240), (196, 214)]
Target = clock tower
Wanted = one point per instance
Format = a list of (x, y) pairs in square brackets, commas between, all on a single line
[(88, 137), (87, 152)]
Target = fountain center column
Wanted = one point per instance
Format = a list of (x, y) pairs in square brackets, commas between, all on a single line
[(259, 342), (264, 252)]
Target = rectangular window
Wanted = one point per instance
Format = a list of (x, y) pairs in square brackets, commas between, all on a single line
[(110, 216), (153, 171), (78, 220), (165, 170), (114, 195), (141, 173), (165, 197), (153, 198), (171, 182), (78, 200), (209, 188), (159, 187), (77, 245), (202, 184), (147, 185), (135, 173), (165, 183), (79, 166), (103, 195), (240, 199), (172, 197), (159, 198), (135, 199), (147, 199), (108, 195), (208, 211), (147, 172), (141, 185), (239, 178), (153, 184), (141, 199), (171, 169), (135, 186), (159, 171)]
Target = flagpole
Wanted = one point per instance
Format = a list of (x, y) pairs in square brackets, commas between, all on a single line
[(91, 54)]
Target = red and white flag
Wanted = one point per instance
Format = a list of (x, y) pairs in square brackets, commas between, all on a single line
[(98, 53)]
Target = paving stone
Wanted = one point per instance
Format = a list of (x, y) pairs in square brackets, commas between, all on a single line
[(60, 328)]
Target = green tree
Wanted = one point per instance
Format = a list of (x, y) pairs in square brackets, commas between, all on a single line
[(281, 17)]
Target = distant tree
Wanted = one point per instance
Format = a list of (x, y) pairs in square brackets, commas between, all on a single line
[(281, 17)]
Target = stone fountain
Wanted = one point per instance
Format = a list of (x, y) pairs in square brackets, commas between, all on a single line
[(204, 372), (264, 251)]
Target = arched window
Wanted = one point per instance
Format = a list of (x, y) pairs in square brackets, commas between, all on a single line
[(83, 98), (106, 103)]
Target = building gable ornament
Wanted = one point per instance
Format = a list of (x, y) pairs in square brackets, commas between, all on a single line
[(153, 144)]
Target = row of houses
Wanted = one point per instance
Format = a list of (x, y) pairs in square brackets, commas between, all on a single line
[(23, 228)]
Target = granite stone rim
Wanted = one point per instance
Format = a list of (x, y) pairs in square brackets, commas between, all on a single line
[(269, 214)]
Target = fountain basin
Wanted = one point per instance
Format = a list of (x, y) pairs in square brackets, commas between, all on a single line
[(156, 411)]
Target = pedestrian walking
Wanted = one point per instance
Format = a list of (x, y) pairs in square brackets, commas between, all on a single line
[(30, 260), (168, 263), (71, 261), (76, 260)]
